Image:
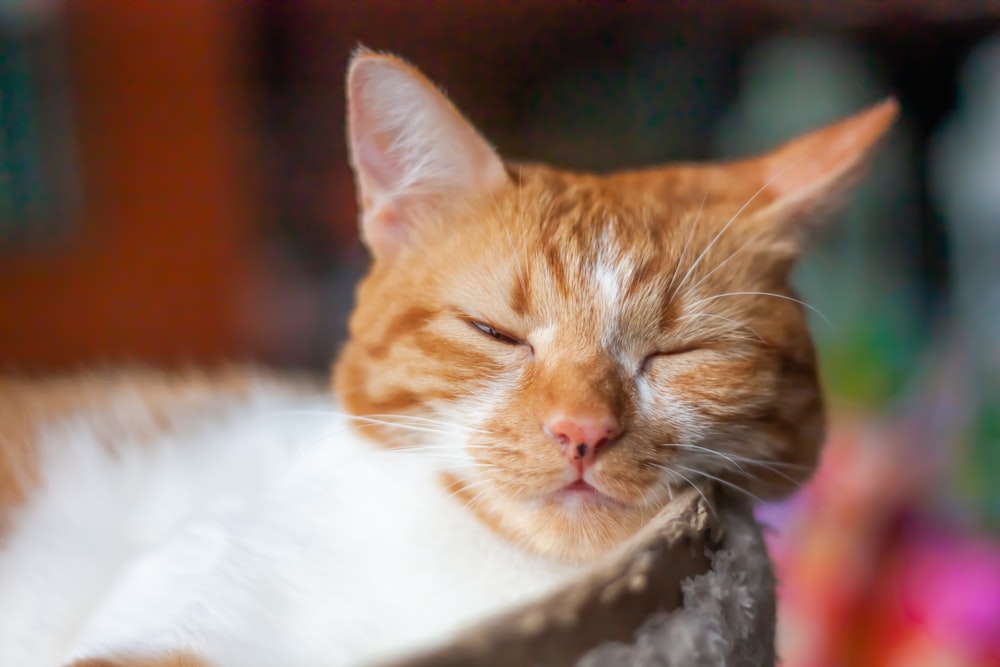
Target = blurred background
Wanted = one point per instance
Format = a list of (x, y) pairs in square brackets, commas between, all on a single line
[(174, 190)]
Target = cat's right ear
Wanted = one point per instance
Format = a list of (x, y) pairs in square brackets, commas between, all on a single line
[(411, 150)]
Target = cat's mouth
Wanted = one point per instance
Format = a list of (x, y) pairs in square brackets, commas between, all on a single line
[(581, 491), (579, 486)]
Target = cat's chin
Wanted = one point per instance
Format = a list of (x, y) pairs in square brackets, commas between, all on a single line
[(580, 526), (577, 522)]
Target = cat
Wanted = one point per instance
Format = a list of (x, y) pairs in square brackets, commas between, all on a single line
[(537, 360)]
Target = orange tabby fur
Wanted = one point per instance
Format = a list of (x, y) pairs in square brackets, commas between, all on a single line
[(519, 252), (658, 298)]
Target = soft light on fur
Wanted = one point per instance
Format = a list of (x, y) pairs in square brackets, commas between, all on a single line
[(238, 520), (658, 296)]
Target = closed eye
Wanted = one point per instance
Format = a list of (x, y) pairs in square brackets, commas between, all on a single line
[(671, 352), (495, 334)]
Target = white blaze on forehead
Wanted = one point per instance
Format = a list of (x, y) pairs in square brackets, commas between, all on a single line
[(610, 273), (608, 283), (608, 268)]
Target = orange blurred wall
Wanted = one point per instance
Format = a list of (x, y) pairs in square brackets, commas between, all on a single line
[(155, 264)]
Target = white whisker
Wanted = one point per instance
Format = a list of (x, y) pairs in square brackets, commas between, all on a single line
[(718, 266), (429, 421), (776, 296), (703, 449), (671, 470), (772, 466), (735, 487), (687, 242), (737, 323), (736, 215)]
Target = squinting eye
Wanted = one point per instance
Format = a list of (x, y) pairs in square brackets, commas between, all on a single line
[(494, 334)]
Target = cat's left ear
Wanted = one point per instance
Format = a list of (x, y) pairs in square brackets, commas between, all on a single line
[(809, 175), (411, 150)]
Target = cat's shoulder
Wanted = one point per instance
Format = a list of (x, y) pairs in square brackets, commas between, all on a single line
[(48, 395), (140, 402)]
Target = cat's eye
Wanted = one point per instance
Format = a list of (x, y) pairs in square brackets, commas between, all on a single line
[(671, 352), (494, 333)]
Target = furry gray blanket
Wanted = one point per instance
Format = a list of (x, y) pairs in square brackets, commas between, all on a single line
[(728, 615)]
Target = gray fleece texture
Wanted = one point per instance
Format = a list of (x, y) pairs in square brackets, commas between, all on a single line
[(728, 616)]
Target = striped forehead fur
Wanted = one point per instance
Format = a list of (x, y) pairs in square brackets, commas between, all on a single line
[(654, 303), (594, 276)]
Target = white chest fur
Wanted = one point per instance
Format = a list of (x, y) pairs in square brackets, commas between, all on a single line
[(266, 534)]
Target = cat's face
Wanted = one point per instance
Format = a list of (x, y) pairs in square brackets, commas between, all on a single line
[(572, 348)]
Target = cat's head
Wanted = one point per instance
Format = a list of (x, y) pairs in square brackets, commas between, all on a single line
[(571, 348)]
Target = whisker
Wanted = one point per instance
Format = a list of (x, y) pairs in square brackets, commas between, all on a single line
[(278, 414), (736, 460), (731, 221), (735, 487), (687, 243), (673, 471), (430, 450), (442, 457), (739, 325), (329, 436), (373, 419), (465, 486), (699, 448), (405, 427), (718, 266), (776, 464), (476, 497), (772, 466), (422, 448), (429, 421), (776, 296)]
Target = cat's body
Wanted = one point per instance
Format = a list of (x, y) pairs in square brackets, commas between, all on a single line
[(245, 521), (537, 360)]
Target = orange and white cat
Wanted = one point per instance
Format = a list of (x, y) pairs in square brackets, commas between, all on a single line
[(538, 359)]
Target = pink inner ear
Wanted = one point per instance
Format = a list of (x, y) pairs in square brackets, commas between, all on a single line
[(411, 149), (375, 165)]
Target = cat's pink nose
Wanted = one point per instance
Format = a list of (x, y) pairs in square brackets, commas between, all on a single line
[(582, 436)]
